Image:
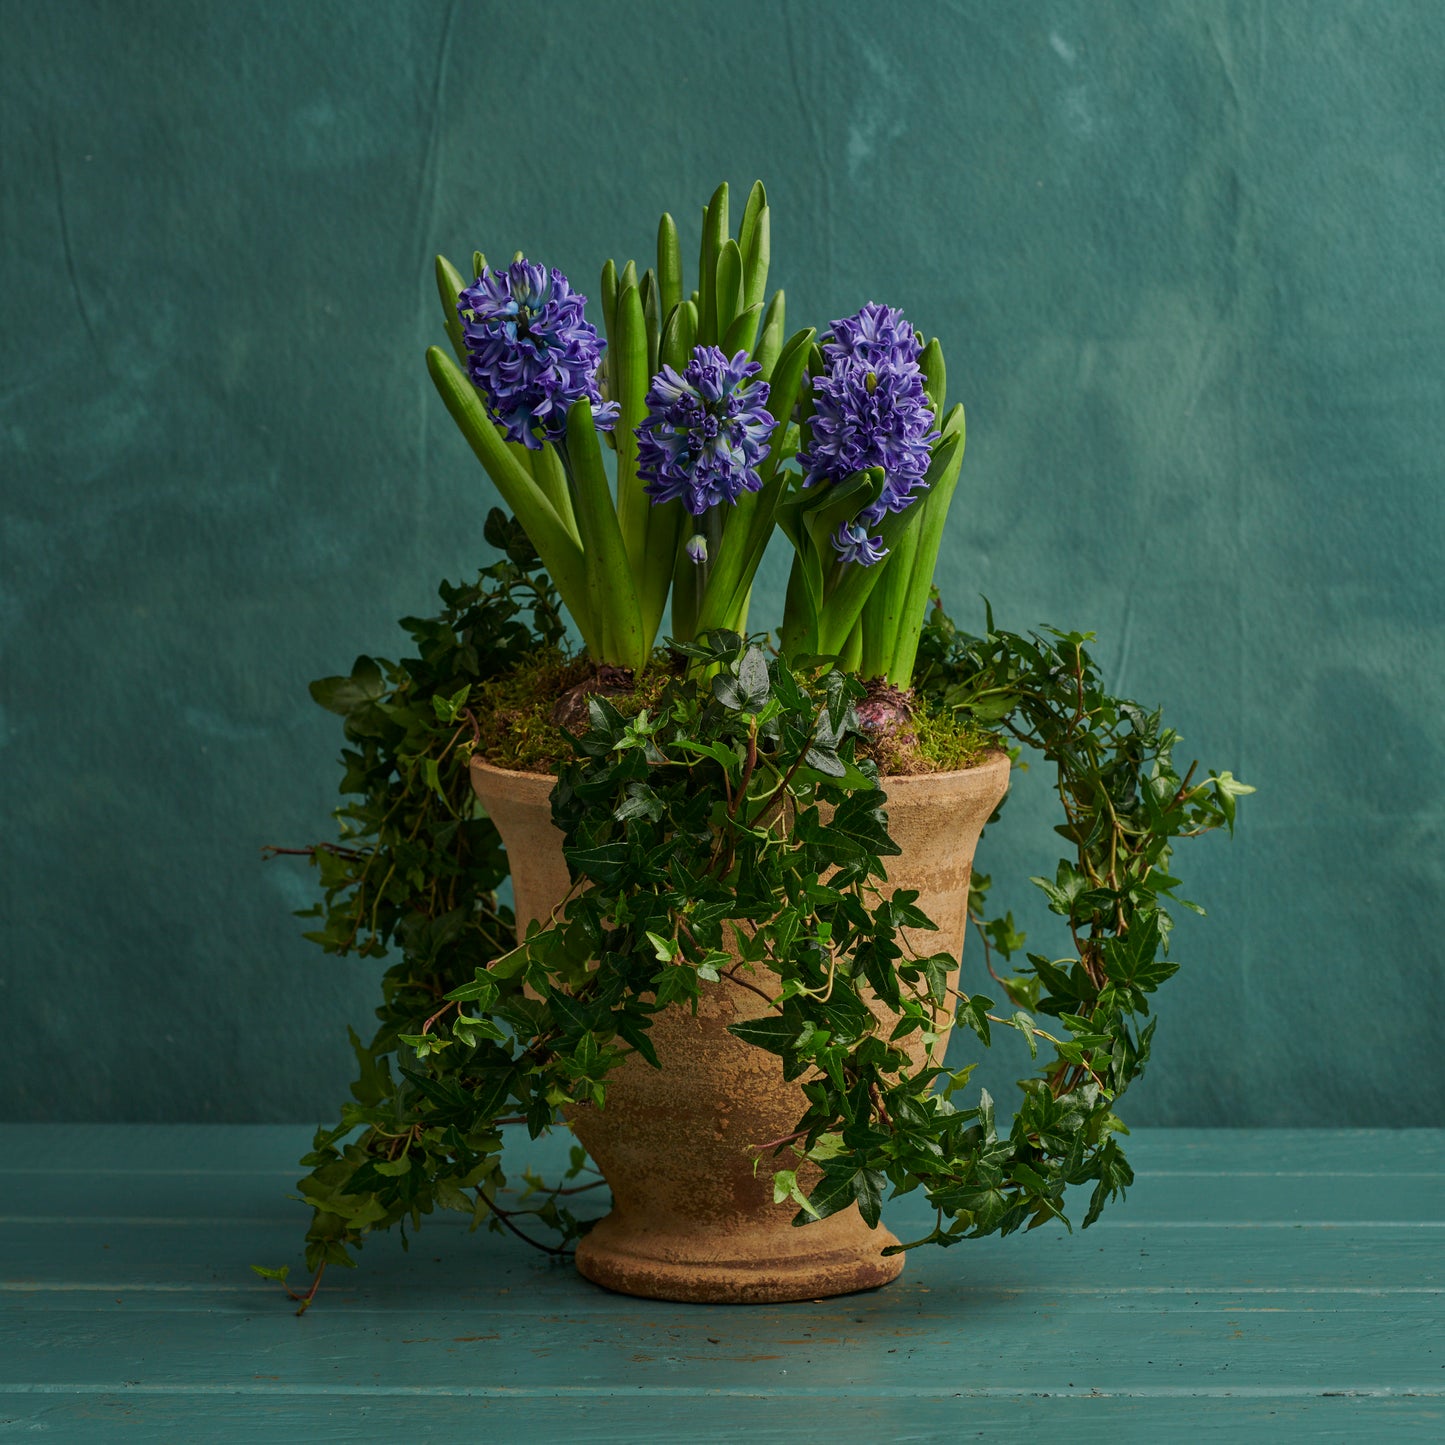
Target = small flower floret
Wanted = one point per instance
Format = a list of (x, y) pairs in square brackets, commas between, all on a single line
[(706, 431), (531, 351), (853, 544)]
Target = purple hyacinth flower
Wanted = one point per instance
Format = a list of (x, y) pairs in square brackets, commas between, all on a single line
[(876, 335), (870, 410), (531, 352), (853, 544), (705, 432)]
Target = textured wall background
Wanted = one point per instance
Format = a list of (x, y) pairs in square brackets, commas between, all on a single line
[(1186, 260)]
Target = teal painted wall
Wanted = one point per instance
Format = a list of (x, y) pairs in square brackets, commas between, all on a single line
[(1187, 263)]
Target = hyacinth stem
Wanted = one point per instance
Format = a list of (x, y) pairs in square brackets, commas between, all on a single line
[(930, 537), (690, 579), (627, 360), (561, 552), (847, 588), (611, 592), (881, 620), (735, 560)]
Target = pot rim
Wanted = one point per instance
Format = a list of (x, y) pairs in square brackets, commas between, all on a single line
[(988, 762)]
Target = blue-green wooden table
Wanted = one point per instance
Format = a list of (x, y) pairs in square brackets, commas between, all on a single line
[(1255, 1285)]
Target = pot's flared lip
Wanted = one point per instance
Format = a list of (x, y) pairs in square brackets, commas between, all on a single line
[(990, 762), (481, 765)]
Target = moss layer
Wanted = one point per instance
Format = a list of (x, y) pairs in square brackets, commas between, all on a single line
[(514, 711), (937, 740)]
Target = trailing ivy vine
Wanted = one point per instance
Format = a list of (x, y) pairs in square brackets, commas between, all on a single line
[(702, 850)]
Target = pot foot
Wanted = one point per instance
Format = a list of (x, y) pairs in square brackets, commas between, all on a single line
[(733, 1269)]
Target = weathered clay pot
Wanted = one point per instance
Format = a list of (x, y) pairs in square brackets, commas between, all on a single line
[(691, 1218)]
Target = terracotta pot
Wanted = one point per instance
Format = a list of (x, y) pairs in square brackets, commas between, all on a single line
[(691, 1219)]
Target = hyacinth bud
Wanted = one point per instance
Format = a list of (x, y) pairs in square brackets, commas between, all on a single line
[(697, 548)]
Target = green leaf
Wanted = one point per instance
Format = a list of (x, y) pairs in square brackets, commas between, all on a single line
[(868, 1185), (669, 265), (346, 695), (449, 289), (555, 545), (786, 1186), (714, 236), (612, 596), (772, 1032), (729, 286)]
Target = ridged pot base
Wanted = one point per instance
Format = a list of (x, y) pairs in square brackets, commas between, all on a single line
[(739, 1269)]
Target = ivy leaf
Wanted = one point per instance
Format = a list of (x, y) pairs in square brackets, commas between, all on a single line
[(640, 802), (772, 1032), (1025, 1025), (785, 1186), (745, 690), (346, 695), (604, 863), (974, 1012), (837, 1189), (868, 1185)]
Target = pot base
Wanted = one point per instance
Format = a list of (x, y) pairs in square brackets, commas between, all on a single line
[(654, 1265)]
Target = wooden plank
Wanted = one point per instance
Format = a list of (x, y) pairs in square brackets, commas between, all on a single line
[(88, 1149), (139, 1413), (1048, 1345), (1280, 1288), (484, 1271), (1165, 1199)]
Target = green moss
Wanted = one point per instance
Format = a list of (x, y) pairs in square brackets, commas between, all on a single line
[(940, 741), (514, 717), (514, 711)]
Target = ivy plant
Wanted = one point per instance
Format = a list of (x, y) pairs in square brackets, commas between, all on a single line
[(702, 849)]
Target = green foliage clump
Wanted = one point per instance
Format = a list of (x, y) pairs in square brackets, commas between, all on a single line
[(665, 822), (695, 830), (415, 873)]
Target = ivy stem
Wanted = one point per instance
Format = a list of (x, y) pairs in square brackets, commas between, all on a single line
[(310, 1293), (505, 1216), (778, 1143)]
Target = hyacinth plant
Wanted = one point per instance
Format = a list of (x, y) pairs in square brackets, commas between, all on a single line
[(693, 393), (878, 463)]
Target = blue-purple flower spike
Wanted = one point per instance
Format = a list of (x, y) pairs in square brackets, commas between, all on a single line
[(870, 410), (706, 431), (531, 352), (876, 336)]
